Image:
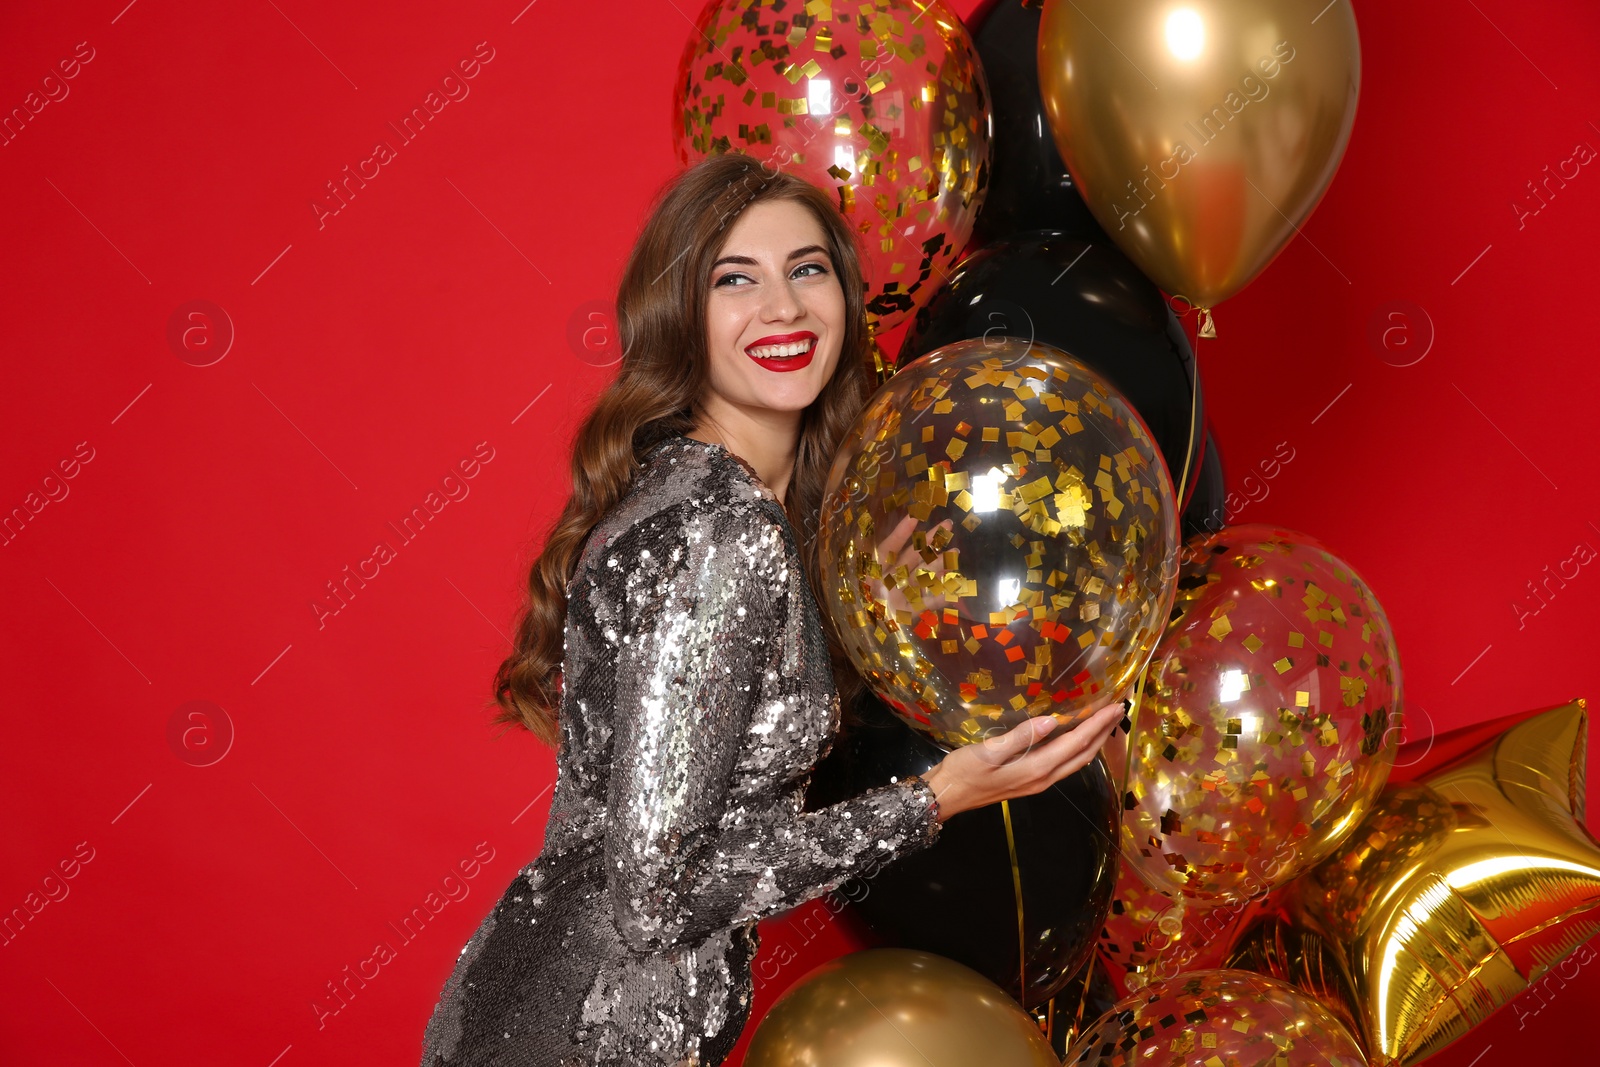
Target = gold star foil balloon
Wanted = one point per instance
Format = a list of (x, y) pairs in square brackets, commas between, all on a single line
[(1268, 720), (1453, 895), (1215, 1018), (882, 102), (998, 540)]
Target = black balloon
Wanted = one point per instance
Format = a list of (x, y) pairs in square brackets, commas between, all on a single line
[(1084, 297), (957, 898), (1029, 187), (1207, 510)]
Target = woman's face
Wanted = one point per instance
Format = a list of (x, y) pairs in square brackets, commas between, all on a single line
[(775, 317)]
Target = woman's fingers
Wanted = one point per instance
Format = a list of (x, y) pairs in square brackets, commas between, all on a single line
[(1073, 750), (1023, 757), (1015, 743), (891, 545)]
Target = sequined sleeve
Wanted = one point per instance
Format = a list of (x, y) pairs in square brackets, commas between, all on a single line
[(708, 605)]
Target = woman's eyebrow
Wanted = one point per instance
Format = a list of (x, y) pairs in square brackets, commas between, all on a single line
[(796, 254)]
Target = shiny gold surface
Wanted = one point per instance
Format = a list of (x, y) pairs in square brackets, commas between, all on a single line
[(1453, 895), (998, 540), (893, 1007), (1203, 132)]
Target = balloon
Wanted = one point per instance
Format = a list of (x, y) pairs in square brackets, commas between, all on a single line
[(1028, 931), (1088, 996), (1425, 751), (884, 105), (1268, 721), (1082, 296), (998, 540), (1149, 936), (1030, 188), (1201, 136), (1455, 894), (1216, 1017), (1208, 499), (886, 1006)]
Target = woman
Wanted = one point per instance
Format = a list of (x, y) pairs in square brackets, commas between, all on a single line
[(674, 652)]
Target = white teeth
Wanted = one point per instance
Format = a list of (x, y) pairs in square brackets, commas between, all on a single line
[(781, 351)]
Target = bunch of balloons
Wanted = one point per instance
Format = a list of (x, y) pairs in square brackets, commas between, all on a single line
[(1027, 520)]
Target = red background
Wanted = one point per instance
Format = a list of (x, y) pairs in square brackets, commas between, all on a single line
[(375, 351)]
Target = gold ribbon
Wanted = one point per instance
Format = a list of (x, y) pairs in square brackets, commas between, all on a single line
[(1016, 884)]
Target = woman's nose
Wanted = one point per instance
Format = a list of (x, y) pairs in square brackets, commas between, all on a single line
[(782, 303)]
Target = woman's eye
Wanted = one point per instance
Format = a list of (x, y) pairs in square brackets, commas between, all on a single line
[(812, 270)]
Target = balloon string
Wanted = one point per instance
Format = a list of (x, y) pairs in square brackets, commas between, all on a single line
[(1083, 997), (1016, 883), (1188, 454), (1183, 485)]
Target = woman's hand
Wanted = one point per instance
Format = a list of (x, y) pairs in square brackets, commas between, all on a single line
[(894, 552), (1019, 762)]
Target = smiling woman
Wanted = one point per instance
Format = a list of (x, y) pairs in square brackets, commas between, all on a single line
[(673, 651)]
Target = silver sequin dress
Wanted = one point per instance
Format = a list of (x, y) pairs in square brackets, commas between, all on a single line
[(697, 699)]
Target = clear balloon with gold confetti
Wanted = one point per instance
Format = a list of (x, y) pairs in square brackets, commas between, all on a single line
[(999, 540), (1217, 1017), (1149, 936), (882, 102), (1268, 722)]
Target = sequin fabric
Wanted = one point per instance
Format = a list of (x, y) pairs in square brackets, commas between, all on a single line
[(697, 699)]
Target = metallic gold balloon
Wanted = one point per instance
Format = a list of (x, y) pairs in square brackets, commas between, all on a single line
[(1201, 133), (998, 539), (1216, 1017), (891, 1007), (1269, 718), (882, 102), (1452, 896)]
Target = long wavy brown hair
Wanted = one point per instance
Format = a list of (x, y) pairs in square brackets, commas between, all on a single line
[(661, 308)]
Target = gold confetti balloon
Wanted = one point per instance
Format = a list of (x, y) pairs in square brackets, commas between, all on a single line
[(998, 540), (895, 1007), (1454, 895), (1269, 718), (1149, 936), (1213, 1018), (882, 102)]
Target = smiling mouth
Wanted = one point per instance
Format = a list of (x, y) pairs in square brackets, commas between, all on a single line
[(786, 356)]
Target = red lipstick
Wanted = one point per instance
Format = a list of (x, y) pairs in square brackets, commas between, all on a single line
[(784, 363)]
